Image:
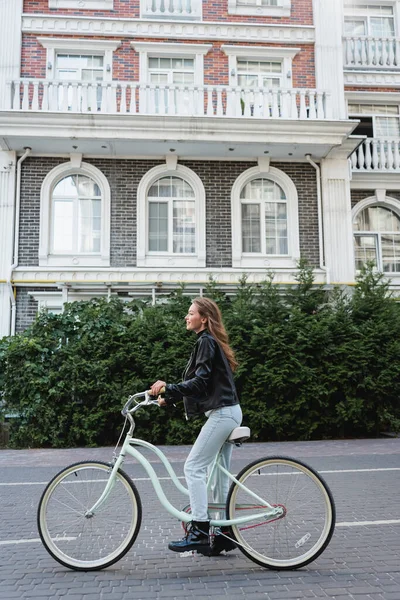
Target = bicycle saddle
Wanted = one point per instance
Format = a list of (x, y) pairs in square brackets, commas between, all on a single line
[(239, 435)]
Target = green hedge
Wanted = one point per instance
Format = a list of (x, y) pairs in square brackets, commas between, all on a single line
[(312, 364)]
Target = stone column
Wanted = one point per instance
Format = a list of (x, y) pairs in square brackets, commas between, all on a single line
[(7, 194), (337, 224), (328, 22), (10, 46)]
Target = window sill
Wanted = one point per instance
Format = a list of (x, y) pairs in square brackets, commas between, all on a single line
[(76, 260), (83, 4), (283, 10), (266, 262), (169, 260)]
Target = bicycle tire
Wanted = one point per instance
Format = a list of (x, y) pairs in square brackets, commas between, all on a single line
[(87, 543), (299, 536)]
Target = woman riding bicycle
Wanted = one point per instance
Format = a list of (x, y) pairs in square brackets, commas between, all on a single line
[(207, 388)]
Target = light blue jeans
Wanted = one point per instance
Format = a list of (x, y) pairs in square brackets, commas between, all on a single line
[(213, 435)]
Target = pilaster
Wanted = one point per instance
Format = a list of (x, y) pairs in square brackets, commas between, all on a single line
[(10, 44), (328, 22), (337, 223), (7, 193)]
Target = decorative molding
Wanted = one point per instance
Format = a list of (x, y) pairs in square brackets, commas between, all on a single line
[(171, 49), (360, 97), (78, 44), (76, 160), (97, 278), (263, 260), (373, 180), (144, 259), (263, 163), (83, 4), (260, 52), (73, 25), (372, 79), (382, 199), (171, 160)]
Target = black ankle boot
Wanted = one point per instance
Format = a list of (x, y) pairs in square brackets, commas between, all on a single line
[(222, 543), (195, 539)]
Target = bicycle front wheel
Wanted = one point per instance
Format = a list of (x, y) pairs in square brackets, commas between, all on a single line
[(83, 542), (306, 525)]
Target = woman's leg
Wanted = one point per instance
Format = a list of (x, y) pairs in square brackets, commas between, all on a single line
[(213, 435)]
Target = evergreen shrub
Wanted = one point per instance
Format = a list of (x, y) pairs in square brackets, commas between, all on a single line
[(312, 364)]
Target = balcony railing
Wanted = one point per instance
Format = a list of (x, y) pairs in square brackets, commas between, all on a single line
[(362, 51), (171, 9), (38, 95), (377, 154)]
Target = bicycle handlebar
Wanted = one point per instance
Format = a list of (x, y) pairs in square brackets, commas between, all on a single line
[(148, 400)]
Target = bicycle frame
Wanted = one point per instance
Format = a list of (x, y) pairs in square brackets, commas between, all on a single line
[(128, 448)]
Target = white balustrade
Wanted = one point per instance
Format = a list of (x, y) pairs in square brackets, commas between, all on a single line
[(37, 95), (372, 52), (377, 154), (179, 9)]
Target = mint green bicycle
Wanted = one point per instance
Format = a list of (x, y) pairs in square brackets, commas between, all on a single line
[(280, 512)]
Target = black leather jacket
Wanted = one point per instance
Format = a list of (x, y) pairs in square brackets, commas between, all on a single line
[(207, 380)]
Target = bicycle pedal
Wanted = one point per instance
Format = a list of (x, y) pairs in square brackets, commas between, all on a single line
[(204, 551)]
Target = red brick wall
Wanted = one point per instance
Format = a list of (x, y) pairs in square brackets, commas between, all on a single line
[(126, 62), (213, 10)]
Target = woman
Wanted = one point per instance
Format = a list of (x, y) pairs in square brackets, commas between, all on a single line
[(207, 388)]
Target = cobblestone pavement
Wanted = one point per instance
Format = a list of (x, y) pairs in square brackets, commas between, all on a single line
[(362, 561)]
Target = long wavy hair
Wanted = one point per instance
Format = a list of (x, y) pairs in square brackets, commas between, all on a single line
[(209, 310)]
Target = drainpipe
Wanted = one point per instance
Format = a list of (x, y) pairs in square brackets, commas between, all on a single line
[(16, 237), (320, 219)]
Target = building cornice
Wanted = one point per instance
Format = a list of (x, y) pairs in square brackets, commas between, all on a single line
[(89, 278), (77, 44), (372, 79), (148, 127), (259, 51), (142, 28), (373, 97), (375, 180)]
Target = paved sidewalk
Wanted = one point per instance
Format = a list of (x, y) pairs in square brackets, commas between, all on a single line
[(362, 561)]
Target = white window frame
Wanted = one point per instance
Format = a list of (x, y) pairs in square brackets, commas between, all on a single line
[(46, 257), (56, 46), (253, 259), (282, 10), (263, 54), (166, 259), (83, 4), (154, 50), (351, 12), (380, 199), (374, 115)]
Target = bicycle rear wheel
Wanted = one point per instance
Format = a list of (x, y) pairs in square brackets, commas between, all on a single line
[(88, 543), (303, 531)]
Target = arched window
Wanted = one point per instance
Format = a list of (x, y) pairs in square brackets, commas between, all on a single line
[(377, 234), (171, 218), (75, 217), (265, 219)]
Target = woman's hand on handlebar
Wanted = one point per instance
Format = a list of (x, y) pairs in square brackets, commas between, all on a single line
[(158, 388)]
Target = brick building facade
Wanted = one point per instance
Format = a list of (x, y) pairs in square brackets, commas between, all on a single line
[(146, 143)]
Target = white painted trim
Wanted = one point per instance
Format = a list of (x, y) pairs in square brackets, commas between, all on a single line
[(260, 52), (372, 78), (372, 181), (140, 28), (360, 97), (172, 260), (195, 51), (104, 47), (83, 4), (263, 260), (283, 10), (387, 202), (49, 182), (175, 50), (48, 300)]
